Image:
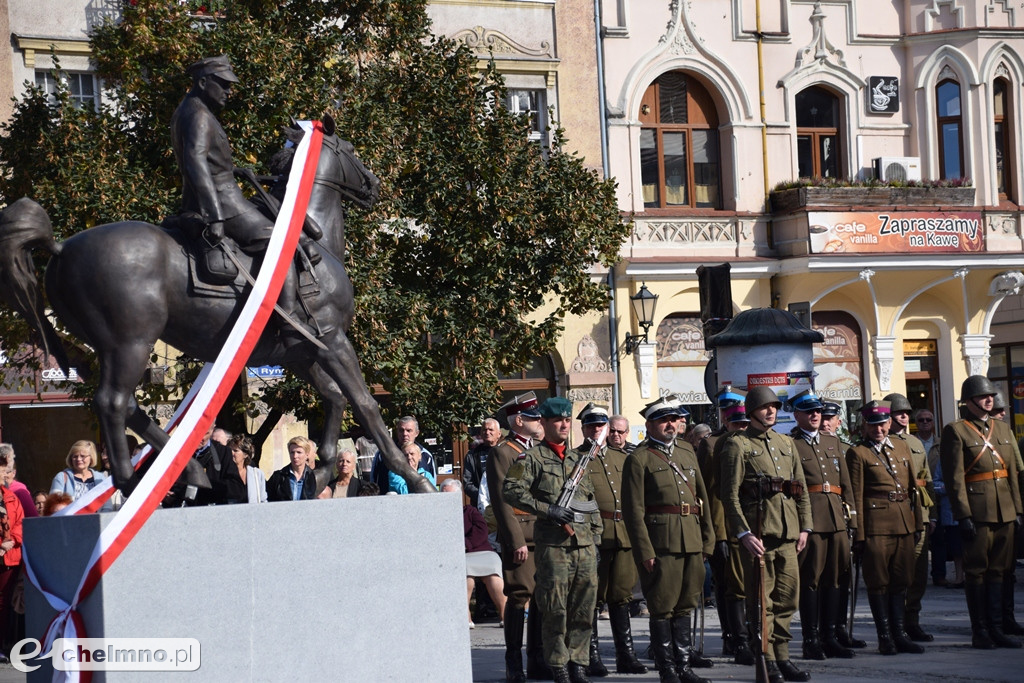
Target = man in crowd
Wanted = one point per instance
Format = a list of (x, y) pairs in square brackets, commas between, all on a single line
[(476, 459), (924, 420), (616, 573), (406, 430), (883, 481), (979, 466), (762, 479), (669, 521), (827, 554), (900, 410), (566, 539), (515, 534), (726, 567), (618, 432), (294, 481)]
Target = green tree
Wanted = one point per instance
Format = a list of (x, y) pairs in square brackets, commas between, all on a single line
[(478, 229)]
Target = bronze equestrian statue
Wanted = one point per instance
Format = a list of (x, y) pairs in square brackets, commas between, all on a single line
[(121, 287)]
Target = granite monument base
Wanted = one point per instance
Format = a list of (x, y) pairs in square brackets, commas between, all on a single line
[(362, 589)]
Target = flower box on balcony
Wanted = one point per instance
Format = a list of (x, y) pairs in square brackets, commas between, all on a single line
[(793, 199)]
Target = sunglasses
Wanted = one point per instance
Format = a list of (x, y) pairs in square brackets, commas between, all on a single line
[(618, 431), (926, 419)]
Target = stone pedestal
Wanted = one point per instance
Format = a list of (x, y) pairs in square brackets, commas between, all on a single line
[(358, 589)]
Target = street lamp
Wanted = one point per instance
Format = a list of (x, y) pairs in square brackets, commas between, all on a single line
[(643, 308)]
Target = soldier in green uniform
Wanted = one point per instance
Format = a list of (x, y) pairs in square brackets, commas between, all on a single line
[(1010, 625), (831, 419), (900, 410), (515, 533), (827, 554), (565, 537), (726, 567), (665, 509), (616, 573), (979, 465), (884, 484), (762, 476)]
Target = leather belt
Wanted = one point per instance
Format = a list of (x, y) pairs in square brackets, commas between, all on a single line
[(891, 496), (684, 509), (521, 513), (985, 476), (825, 488), (614, 516), (921, 483)]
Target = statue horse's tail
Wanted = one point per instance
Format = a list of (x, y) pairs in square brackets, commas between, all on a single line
[(25, 226)]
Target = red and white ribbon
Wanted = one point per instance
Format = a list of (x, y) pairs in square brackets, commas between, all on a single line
[(197, 417)]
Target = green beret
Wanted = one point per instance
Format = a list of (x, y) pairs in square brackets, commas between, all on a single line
[(556, 407)]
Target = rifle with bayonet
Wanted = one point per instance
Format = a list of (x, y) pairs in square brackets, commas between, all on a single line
[(566, 498)]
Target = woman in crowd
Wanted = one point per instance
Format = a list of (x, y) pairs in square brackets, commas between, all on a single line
[(294, 481), (11, 516), (8, 477), (413, 454), (239, 481), (40, 499), (55, 502), (346, 484), (80, 475)]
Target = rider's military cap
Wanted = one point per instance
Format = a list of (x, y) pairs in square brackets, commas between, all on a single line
[(219, 66)]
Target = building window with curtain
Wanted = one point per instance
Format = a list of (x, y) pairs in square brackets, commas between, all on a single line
[(530, 103), (1003, 138), (950, 126), (81, 86), (817, 134), (679, 155)]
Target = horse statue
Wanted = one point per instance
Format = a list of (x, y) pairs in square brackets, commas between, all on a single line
[(121, 287)]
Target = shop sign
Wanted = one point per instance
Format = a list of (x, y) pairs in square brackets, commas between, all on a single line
[(837, 359), (681, 340), (883, 94), (265, 372), (914, 232), (687, 381)]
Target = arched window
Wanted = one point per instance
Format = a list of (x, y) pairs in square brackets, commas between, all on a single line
[(679, 165), (950, 127), (817, 134), (1001, 104)]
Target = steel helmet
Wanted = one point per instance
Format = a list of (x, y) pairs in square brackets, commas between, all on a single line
[(760, 396), (898, 403), (977, 385)]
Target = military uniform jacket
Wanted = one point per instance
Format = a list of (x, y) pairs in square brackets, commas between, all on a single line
[(824, 463), (746, 455), (922, 473), (879, 479), (709, 459), (659, 483), (515, 527), (606, 477), (534, 483), (203, 153), (987, 499)]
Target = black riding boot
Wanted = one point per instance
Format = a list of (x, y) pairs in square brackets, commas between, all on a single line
[(790, 672), (978, 611), (880, 612), (738, 615), (682, 643), (842, 609), (1010, 625), (536, 668), (560, 674), (994, 594), (578, 673), (828, 603), (809, 624), (914, 630), (697, 658), (597, 667), (514, 618), (661, 648), (897, 610), (622, 634)]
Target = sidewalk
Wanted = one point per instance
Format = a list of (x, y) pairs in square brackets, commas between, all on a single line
[(949, 658)]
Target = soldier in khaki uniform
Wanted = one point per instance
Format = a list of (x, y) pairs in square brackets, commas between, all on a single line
[(827, 555), (900, 410), (726, 566), (884, 486), (515, 534), (979, 465), (664, 505), (761, 470), (566, 539), (616, 573)]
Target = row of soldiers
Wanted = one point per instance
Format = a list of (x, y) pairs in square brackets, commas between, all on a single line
[(777, 516)]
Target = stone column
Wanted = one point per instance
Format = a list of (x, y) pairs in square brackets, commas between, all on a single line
[(976, 352), (885, 354), (644, 359)]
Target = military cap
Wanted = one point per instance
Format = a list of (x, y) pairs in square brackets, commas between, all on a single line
[(735, 414), (556, 406), (898, 403), (728, 397), (593, 415), (523, 404), (806, 401), (760, 396), (830, 409), (219, 66), (664, 407), (875, 412), (680, 404)]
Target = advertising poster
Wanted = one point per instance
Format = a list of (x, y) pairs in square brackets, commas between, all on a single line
[(681, 359), (902, 232)]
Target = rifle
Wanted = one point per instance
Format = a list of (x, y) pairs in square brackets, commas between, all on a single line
[(761, 660), (854, 580), (568, 493)]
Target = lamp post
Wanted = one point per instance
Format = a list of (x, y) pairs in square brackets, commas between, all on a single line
[(643, 303)]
